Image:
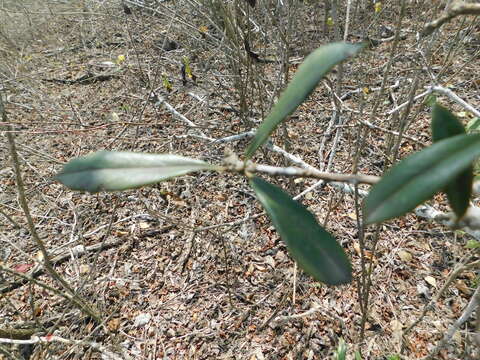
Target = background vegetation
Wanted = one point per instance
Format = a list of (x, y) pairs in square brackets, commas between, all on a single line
[(190, 268)]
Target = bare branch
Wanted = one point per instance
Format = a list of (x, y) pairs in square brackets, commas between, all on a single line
[(310, 173), (459, 8), (456, 98), (468, 223), (106, 354)]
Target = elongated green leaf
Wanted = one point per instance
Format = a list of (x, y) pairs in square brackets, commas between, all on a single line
[(419, 176), (459, 190), (113, 171), (444, 124), (314, 249), (473, 125), (341, 350), (315, 66)]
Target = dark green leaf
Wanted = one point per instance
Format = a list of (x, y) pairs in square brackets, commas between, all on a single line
[(459, 190), (418, 177), (444, 124), (112, 171), (314, 249), (315, 66)]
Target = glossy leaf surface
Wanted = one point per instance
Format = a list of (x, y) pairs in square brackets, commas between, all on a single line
[(315, 66), (113, 171), (459, 190), (313, 248), (418, 177)]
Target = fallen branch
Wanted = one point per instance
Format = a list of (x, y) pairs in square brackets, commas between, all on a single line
[(106, 354), (441, 90), (78, 251), (240, 136), (280, 320), (449, 93), (472, 305), (83, 80), (18, 334), (431, 303), (159, 100), (470, 222)]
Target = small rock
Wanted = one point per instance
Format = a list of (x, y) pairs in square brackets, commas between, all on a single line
[(142, 320)]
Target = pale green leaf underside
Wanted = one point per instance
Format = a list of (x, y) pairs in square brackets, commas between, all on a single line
[(115, 171)]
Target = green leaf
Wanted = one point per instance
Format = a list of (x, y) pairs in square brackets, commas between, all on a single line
[(357, 355), (430, 100), (341, 350), (472, 244), (444, 124), (315, 66), (473, 125), (418, 177), (459, 190), (113, 171), (393, 357), (314, 249)]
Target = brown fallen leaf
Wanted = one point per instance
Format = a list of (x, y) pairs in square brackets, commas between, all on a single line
[(114, 324), (462, 287)]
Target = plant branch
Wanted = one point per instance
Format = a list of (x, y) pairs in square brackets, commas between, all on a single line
[(310, 173), (233, 164), (450, 94), (458, 8)]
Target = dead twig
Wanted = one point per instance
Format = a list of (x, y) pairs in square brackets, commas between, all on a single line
[(472, 305), (47, 263), (106, 354), (78, 251), (429, 306), (458, 8)]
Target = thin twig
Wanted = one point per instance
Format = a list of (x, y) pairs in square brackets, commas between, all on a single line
[(472, 305), (75, 298), (453, 275)]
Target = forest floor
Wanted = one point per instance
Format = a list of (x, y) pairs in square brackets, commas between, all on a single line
[(184, 269)]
